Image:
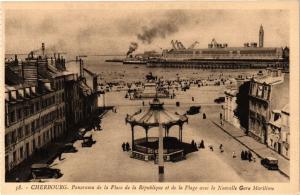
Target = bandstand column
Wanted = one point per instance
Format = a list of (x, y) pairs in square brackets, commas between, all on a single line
[(146, 129), (180, 133), (160, 148), (132, 137)]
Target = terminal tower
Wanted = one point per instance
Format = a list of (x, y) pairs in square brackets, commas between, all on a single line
[(261, 36)]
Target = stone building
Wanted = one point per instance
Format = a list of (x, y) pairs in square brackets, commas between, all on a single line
[(230, 107), (268, 92), (236, 104), (41, 97), (279, 131)]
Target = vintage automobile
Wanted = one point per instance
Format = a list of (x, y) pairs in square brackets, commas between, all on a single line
[(193, 110), (43, 171), (270, 163), (220, 100), (87, 140), (69, 148)]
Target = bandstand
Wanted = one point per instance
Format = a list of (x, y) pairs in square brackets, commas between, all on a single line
[(147, 148)]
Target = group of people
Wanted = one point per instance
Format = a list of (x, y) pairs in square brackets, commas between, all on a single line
[(247, 155), (200, 145), (126, 146)]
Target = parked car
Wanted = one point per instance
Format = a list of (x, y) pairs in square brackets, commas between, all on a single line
[(43, 171), (193, 110), (220, 100), (87, 140), (69, 148), (270, 163)]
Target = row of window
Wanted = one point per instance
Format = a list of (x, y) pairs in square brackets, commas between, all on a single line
[(30, 109), (59, 84), (261, 91), (24, 151), (25, 131)]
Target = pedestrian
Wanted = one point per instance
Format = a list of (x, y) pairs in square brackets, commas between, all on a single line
[(245, 155), (192, 98), (242, 155), (123, 146), (233, 154), (221, 146), (204, 116), (193, 142), (127, 146), (202, 144), (143, 103), (249, 156)]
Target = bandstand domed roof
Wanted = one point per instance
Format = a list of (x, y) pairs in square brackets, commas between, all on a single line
[(146, 117)]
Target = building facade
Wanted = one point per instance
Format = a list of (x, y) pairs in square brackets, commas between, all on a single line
[(267, 93), (220, 55), (279, 131), (230, 106), (40, 98)]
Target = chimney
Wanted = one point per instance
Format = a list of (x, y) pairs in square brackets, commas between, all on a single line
[(43, 49), (81, 67)]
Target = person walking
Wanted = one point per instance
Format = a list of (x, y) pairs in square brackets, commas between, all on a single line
[(202, 144), (123, 146), (221, 148), (242, 155), (245, 155), (249, 156), (233, 154), (204, 116), (127, 147)]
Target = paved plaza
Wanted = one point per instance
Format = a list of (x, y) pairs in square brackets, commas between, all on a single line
[(106, 162)]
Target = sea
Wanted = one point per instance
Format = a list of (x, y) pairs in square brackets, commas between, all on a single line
[(116, 71)]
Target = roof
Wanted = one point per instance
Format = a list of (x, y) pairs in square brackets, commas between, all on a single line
[(11, 77), (286, 108), (145, 117), (86, 90), (231, 92)]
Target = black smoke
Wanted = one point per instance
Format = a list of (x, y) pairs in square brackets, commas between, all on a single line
[(169, 24), (132, 47)]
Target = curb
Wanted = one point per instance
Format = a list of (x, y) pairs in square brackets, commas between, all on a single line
[(258, 155)]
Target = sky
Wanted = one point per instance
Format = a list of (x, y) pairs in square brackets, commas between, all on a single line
[(111, 31)]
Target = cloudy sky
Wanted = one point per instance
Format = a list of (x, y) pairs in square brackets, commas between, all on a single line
[(110, 31)]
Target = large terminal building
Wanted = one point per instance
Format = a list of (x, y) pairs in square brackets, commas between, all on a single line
[(221, 56)]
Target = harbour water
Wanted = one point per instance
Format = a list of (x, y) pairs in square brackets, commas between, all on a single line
[(113, 71)]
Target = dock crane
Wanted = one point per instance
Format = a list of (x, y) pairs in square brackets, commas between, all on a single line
[(179, 45), (193, 45)]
